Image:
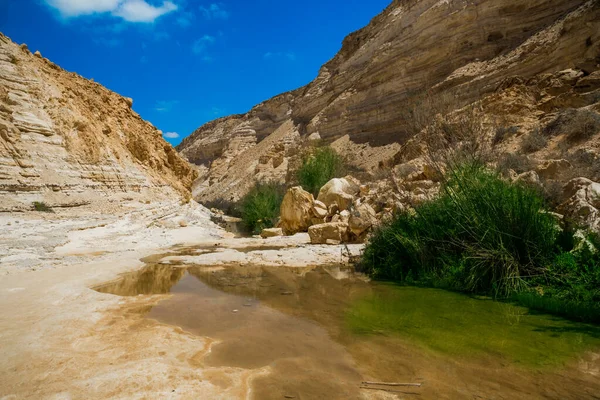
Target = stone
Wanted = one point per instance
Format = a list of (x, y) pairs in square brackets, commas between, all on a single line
[(296, 211), (320, 209), (530, 178), (128, 101), (339, 190), (362, 218), (271, 232), (333, 231), (38, 54), (344, 216), (550, 169), (314, 137), (333, 209)]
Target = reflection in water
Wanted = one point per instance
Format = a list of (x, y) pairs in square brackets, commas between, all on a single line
[(153, 279), (322, 331)]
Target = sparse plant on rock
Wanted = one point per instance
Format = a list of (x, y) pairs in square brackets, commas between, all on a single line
[(41, 206)]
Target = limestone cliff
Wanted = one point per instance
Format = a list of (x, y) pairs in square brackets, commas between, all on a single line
[(470, 50), (66, 140)]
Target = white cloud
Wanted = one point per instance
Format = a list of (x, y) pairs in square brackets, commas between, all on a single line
[(201, 44), (214, 11), (74, 8), (129, 10), (171, 135), (140, 11)]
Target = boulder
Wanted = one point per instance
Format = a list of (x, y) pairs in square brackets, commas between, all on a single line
[(271, 232), (530, 178), (362, 219), (129, 101), (331, 232), (296, 211), (339, 190), (550, 169), (344, 216)]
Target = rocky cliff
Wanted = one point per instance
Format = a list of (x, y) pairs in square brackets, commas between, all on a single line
[(497, 53), (66, 140)]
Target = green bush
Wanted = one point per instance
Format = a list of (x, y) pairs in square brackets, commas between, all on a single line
[(260, 207), (483, 234), (319, 167), (41, 206)]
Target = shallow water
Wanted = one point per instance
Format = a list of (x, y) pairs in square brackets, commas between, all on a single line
[(320, 333)]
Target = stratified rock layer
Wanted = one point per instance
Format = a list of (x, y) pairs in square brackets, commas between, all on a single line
[(65, 140), (466, 50)]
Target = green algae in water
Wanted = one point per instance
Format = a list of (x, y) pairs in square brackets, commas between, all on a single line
[(462, 326)]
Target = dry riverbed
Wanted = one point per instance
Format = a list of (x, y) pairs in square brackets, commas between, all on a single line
[(155, 301)]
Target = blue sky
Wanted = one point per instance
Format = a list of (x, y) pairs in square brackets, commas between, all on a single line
[(186, 62)]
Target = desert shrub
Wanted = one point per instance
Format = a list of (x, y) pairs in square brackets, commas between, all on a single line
[(576, 124), (533, 141), (483, 234), (41, 206), (503, 132), (318, 167), (260, 207), (517, 162)]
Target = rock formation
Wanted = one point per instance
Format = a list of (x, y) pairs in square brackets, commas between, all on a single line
[(522, 62), (66, 140)]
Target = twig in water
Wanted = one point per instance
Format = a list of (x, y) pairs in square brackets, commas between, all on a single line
[(389, 390), (391, 384)]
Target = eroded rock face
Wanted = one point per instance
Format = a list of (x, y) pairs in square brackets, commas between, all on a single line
[(523, 59), (582, 203), (65, 139), (296, 211)]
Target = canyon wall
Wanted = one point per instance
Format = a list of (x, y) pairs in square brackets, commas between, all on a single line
[(469, 50), (66, 140)]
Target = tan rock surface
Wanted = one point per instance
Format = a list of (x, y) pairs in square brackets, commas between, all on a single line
[(340, 191), (296, 211), (65, 139), (330, 232)]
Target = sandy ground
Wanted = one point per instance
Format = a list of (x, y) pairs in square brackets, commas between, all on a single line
[(62, 340)]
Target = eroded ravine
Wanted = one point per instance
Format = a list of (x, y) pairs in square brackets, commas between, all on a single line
[(318, 332)]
